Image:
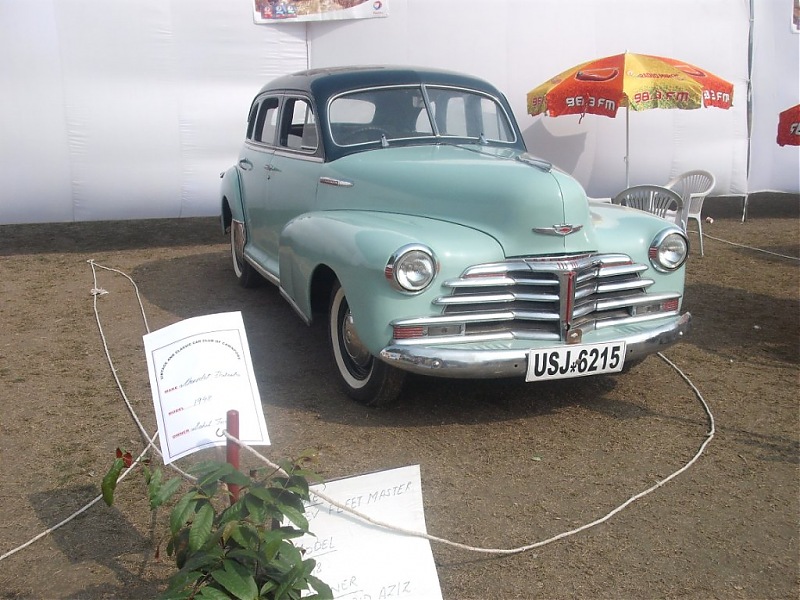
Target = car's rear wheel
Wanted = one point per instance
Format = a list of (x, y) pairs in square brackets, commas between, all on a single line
[(364, 378), (248, 277)]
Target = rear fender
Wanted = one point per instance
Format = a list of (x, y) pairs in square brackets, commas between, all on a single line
[(231, 206)]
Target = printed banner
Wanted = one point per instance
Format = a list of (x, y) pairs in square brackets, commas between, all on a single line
[(293, 11), (199, 369)]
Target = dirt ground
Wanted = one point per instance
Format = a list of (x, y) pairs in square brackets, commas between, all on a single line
[(503, 464)]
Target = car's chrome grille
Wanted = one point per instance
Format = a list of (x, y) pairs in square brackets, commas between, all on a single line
[(546, 298)]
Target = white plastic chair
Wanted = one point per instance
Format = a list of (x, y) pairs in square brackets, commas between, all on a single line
[(693, 186), (654, 199)]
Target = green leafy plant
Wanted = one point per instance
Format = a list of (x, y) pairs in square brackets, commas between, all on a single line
[(240, 550)]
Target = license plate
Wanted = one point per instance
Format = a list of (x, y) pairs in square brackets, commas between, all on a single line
[(575, 361)]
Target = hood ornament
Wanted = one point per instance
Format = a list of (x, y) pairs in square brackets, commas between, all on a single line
[(562, 229)]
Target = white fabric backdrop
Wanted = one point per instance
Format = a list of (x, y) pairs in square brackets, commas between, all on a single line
[(128, 109), (776, 87), (131, 108)]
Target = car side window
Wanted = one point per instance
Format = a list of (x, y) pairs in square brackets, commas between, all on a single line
[(298, 126), (251, 119), (266, 121)]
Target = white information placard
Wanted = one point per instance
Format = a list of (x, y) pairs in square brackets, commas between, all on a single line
[(199, 369), (362, 561)]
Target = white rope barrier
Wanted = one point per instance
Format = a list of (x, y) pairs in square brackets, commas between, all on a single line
[(716, 239), (520, 549), (96, 291)]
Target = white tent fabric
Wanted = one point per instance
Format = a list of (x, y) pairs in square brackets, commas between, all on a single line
[(776, 87), (130, 109)]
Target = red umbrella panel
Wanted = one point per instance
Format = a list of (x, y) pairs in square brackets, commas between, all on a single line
[(789, 127)]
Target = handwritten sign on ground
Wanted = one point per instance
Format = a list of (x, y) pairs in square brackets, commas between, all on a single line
[(362, 561), (199, 369)]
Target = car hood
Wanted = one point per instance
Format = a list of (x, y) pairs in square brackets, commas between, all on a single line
[(528, 209)]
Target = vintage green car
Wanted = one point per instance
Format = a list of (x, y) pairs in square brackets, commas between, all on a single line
[(402, 204)]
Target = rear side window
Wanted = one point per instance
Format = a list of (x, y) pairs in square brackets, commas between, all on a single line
[(263, 121), (298, 126), (251, 119)]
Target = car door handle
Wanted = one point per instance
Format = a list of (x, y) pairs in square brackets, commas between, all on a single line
[(271, 169), (245, 164)]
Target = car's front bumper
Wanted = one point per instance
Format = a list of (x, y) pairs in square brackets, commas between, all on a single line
[(511, 360)]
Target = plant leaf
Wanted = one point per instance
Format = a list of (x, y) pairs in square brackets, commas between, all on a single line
[(237, 478), (238, 582), (295, 516), (211, 593), (298, 485), (209, 472), (180, 584), (201, 527), (182, 512), (127, 457), (109, 483), (164, 492), (323, 590), (204, 561), (244, 556)]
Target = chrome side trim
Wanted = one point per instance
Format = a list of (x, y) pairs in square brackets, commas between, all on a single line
[(335, 182), (301, 154), (293, 304), (273, 279)]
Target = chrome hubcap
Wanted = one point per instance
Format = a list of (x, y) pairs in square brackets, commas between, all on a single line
[(352, 343), (238, 241)]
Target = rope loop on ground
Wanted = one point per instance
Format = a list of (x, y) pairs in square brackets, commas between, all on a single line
[(98, 292), (505, 551)]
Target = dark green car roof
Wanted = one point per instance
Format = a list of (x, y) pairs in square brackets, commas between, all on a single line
[(322, 84)]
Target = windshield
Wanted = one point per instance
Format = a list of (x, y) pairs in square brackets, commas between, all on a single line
[(401, 113)]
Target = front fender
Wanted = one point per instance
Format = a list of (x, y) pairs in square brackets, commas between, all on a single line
[(356, 246), (631, 231), (231, 206)]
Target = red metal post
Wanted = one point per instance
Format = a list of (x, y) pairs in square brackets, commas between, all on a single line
[(232, 450)]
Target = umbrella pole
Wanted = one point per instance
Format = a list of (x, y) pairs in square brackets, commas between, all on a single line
[(627, 147)]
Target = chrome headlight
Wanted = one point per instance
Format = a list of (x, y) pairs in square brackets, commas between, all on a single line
[(668, 251), (412, 268)]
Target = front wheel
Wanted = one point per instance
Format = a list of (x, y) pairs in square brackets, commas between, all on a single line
[(364, 378), (248, 277)]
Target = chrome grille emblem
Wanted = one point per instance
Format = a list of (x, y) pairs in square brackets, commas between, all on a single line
[(561, 229)]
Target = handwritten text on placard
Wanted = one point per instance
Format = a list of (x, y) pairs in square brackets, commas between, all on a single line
[(199, 370), (362, 561)]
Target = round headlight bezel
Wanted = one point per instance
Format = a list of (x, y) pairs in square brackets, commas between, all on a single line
[(412, 268), (669, 250)]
